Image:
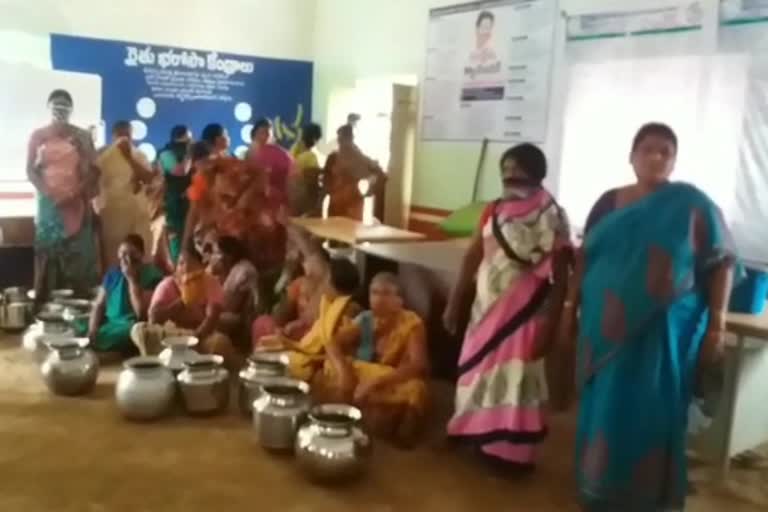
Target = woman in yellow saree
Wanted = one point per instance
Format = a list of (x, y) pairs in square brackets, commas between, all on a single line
[(337, 309), (386, 377)]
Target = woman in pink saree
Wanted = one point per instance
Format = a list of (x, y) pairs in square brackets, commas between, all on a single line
[(267, 157), (60, 164), (519, 258)]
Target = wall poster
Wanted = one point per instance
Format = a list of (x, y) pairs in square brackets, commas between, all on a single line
[(155, 87), (488, 69)]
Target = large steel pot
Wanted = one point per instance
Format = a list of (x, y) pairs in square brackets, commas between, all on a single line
[(331, 447), (260, 368), (204, 386), (145, 389), (279, 412), (15, 294), (179, 350), (70, 368)]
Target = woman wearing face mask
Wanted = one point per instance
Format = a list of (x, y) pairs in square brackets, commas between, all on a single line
[(188, 303), (60, 164), (519, 261), (651, 288)]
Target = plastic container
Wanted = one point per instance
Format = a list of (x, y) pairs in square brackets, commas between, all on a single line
[(750, 295)]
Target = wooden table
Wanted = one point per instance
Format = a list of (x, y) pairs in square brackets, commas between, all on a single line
[(349, 231), (745, 421), (445, 255), (740, 422)]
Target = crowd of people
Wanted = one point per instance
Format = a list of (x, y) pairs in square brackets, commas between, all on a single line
[(198, 243)]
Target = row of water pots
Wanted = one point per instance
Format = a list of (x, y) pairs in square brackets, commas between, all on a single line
[(17, 310), (329, 444)]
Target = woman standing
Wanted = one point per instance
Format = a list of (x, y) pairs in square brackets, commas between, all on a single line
[(306, 187), (652, 310), (217, 139), (519, 257), (175, 167), (123, 208), (344, 170), (60, 164), (267, 157)]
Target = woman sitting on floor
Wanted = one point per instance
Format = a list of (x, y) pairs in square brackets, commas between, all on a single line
[(387, 376), (188, 303), (229, 262), (299, 305), (123, 299), (337, 309)]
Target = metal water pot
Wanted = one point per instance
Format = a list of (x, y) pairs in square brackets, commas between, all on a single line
[(14, 316), (145, 389), (70, 369), (260, 368), (279, 412), (332, 447), (204, 386), (15, 294), (179, 350)]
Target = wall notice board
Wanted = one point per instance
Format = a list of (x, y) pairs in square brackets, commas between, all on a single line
[(488, 69)]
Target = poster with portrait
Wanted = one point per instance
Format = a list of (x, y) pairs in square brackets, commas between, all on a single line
[(488, 70)]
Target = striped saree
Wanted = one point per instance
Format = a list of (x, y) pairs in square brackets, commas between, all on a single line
[(502, 388)]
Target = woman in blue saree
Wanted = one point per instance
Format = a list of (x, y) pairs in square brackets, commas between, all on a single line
[(651, 285)]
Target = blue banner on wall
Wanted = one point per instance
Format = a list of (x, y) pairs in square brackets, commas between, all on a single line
[(157, 87)]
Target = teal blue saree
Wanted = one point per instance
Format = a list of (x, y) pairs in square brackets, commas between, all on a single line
[(644, 315)]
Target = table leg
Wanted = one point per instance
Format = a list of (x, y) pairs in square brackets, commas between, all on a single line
[(731, 395)]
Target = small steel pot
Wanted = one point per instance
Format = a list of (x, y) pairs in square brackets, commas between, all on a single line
[(76, 309), (204, 386), (52, 323), (178, 352), (14, 316), (332, 447), (279, 412), (62, 294), (145, 389), (70, 368), (260, 368)]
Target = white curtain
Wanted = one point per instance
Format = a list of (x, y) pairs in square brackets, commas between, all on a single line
[(749, 212), (615, 85)]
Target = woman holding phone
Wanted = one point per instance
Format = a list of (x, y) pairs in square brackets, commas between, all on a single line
[(123, 299)]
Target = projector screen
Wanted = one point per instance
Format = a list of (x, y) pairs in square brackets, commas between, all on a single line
[(24, 93)]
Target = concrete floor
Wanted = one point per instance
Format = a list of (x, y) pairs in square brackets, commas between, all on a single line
[(78, 455)]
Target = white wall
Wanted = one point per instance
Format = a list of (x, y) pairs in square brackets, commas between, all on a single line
[(268, 28), (361, 39)]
